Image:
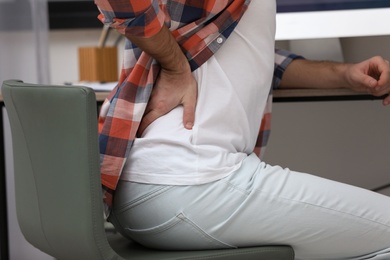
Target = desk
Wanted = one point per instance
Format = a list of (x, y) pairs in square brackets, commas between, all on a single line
[(285, 93), (299, 95), (296, 95)]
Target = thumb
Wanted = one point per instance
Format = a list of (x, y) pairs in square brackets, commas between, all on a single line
[(368, 81)]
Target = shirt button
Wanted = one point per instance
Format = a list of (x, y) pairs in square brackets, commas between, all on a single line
[(219, 40)]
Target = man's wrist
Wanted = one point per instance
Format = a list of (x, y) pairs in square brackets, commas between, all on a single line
[(164, 48)]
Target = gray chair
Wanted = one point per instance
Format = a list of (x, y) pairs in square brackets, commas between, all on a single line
[(58, 195)]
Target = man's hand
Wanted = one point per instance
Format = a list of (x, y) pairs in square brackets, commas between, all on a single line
[(175, 84), (371, 76), (171, 90)]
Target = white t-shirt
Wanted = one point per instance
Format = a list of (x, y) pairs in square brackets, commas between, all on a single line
[(233, 87)]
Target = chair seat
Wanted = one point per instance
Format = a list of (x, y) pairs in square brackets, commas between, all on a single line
[(130, 250)]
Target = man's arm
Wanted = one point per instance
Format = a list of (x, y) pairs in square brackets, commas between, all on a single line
[(142, 22), (370, 76)]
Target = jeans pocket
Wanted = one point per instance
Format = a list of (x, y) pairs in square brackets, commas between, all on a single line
[(178, 233)]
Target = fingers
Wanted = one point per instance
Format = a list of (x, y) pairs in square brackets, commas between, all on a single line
[(189, 112), (369, 81), (383, 86), (384, 73), (386, 101), (378, 78), (159, 106), (152, 114)]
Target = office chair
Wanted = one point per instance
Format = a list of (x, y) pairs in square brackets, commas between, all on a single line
[(57, 180)]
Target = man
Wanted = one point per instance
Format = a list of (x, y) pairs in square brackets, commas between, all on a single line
[(177, 136)]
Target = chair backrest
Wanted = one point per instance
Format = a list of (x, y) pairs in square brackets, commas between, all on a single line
[(56, 162)]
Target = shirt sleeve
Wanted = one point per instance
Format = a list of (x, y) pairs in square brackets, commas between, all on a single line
[(283, 58), (140, 18)]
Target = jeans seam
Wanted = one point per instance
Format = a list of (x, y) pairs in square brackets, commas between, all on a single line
[(202, 232), (179, 218), (138, 201), (243, 191), (352, 214), (333, 210)]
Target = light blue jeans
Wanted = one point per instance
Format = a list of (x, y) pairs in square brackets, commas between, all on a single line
[(258, 205)]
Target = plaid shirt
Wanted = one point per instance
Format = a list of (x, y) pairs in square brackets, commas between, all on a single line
[(197, 26)]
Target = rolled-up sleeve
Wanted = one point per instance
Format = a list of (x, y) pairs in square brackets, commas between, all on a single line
[(283, 58), (140, 18)]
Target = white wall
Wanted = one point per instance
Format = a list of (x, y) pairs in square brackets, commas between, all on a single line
[(18, 58), (353, 49), (63, 51), (356, 49)]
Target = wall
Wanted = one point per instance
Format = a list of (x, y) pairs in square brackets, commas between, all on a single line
[(63, 51)]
